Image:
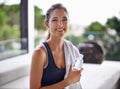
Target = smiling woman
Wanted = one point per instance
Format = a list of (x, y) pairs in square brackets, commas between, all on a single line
[(53, 60)]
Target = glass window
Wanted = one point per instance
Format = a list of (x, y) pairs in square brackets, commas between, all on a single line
[(13, 41)]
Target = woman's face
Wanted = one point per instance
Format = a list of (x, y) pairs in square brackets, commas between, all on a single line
[(58, 23)]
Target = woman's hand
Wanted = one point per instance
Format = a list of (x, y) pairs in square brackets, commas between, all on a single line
[(74, 75)]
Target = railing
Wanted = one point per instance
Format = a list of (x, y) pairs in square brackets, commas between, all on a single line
[(10, 48)]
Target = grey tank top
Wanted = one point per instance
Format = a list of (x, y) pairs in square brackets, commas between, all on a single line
[(51, 74)]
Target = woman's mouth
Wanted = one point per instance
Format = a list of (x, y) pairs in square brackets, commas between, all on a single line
[(60, 30)]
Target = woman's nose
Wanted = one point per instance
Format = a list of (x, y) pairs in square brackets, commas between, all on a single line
[(60, 23)]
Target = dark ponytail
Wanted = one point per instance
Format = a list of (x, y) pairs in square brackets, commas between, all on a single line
[(48, 35)]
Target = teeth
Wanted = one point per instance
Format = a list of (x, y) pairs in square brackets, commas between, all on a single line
[(60, 30)]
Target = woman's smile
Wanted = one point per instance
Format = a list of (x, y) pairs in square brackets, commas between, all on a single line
[(60, 30)]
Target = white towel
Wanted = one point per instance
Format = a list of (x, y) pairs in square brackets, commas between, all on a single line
[(71, 52)]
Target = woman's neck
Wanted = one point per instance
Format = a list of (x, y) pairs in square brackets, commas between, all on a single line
[(55, 44)]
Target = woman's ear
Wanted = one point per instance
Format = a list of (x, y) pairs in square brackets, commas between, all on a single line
[(46, 23)]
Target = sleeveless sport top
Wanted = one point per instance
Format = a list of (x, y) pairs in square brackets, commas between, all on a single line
[(51, 73)]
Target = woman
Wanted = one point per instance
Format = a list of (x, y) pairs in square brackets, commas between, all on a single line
[(51, 66)]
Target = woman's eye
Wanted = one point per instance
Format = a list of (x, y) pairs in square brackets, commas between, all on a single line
[(65, 20), (54, 20)]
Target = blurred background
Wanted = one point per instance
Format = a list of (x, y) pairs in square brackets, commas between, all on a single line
[(90, 21)]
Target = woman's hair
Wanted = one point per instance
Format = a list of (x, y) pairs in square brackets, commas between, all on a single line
[(51, 9), (54, 7)]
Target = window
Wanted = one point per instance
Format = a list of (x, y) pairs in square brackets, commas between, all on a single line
[(13, 29)]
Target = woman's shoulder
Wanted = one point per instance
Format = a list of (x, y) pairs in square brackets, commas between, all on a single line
[(39, 52), (39, 57), (39, 48)]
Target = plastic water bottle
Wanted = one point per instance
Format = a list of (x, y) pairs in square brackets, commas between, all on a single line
[(78, 63)]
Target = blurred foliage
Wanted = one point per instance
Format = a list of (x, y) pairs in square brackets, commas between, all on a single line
[(113, 53), (8, 32), (114, 23), (11, 14), (3, 18), (96, 26), (95, 31), (39, 19), (9, 22)]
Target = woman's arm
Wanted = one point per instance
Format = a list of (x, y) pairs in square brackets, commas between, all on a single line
[(37, 66)]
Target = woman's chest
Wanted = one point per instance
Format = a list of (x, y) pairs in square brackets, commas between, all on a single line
[(59, 59)]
